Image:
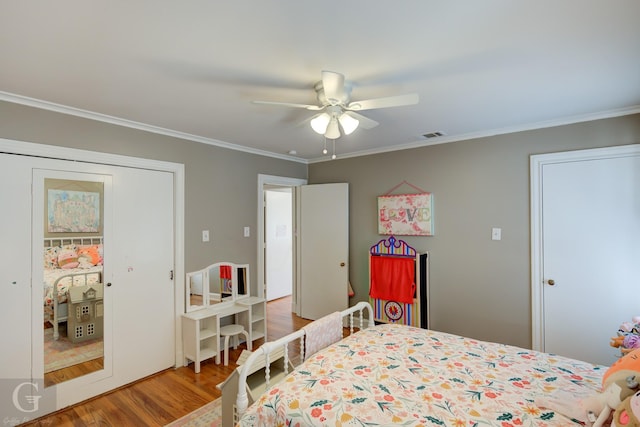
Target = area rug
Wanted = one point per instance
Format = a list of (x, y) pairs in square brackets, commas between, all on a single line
[(209, 415), (62, 353)]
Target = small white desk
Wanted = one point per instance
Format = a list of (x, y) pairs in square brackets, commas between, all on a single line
[(201, 328)]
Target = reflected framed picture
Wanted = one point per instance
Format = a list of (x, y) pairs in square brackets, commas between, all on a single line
[(406, 214), (73, 206)]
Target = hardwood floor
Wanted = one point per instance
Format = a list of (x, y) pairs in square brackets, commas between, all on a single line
[(71, 372), (75, 371), (168, 395)]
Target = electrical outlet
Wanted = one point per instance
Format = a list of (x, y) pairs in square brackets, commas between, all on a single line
[(205, 235)]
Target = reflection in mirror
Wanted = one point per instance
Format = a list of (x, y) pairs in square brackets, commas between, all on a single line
[(73, 309), (194, 296), (73, 303), (222, 279), (216, 274), (218, 279), (243, 280)]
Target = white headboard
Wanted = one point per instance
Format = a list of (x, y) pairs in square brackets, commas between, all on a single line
[(50, 242)]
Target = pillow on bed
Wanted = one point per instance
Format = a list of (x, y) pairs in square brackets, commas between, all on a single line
[(88, 256), (51, 257), (68, 258), (101, 253)]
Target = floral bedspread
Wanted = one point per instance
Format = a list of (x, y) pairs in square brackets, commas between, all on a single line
[(400, 375), (51, 275)]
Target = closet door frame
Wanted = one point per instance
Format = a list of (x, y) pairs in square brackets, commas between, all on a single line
[(65, 153)]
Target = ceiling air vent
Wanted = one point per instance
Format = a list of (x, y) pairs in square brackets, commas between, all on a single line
[(433, 134)]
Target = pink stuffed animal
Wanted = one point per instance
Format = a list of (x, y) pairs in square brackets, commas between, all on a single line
[(67, 258), (89, 256)]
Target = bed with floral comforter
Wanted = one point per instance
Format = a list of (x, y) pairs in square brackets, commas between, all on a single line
[(394, 375), (73, 277)]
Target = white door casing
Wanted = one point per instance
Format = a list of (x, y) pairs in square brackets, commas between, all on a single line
[(263, 182), (322, 248), (585, 228)]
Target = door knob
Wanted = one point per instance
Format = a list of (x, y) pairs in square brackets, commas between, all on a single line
[(342, 264), (108, 284), (551, 282)]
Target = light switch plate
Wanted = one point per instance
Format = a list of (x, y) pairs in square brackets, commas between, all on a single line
[(247, 232), (205, 235), (496, 233)]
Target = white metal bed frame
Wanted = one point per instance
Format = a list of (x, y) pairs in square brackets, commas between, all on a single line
[(269, 348), (60, 311)]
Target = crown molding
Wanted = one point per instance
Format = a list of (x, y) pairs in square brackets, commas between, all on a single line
[(46, 105), (635, 109), (63, 109)]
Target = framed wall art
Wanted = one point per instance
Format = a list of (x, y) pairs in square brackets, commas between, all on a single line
[(406, 214)]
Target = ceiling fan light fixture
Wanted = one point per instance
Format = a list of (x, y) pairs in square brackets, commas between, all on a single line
[(333, 130), (337, 115), (348, 123), (319, 123)]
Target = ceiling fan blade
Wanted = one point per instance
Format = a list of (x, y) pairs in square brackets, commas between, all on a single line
[(365, 122), (390, 101), (290, 104), (333, 85)]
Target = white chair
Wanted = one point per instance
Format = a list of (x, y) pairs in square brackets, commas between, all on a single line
[(234, 331)]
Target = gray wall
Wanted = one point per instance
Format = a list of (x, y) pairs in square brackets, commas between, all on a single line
[(479, 287), (221, 184)]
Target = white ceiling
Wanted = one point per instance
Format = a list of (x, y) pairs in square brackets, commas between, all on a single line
[(193, 67)]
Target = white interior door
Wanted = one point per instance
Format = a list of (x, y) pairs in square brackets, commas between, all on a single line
[(322, 249), (15, 274), (143, 265), (589, 270), (80, 387)]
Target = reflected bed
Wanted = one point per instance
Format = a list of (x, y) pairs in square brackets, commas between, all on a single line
[(68, 261)]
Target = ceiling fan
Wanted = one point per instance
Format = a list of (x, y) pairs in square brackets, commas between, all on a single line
[(338, 111)]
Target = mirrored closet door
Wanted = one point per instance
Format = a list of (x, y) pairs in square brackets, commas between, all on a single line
[(70, 231)]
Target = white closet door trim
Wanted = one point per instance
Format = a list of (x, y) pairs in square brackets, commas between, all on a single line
[(65, 153), (537, 163)]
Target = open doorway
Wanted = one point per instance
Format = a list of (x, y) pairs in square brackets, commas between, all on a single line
[(320, 284), (276, 211), (278, 234)]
